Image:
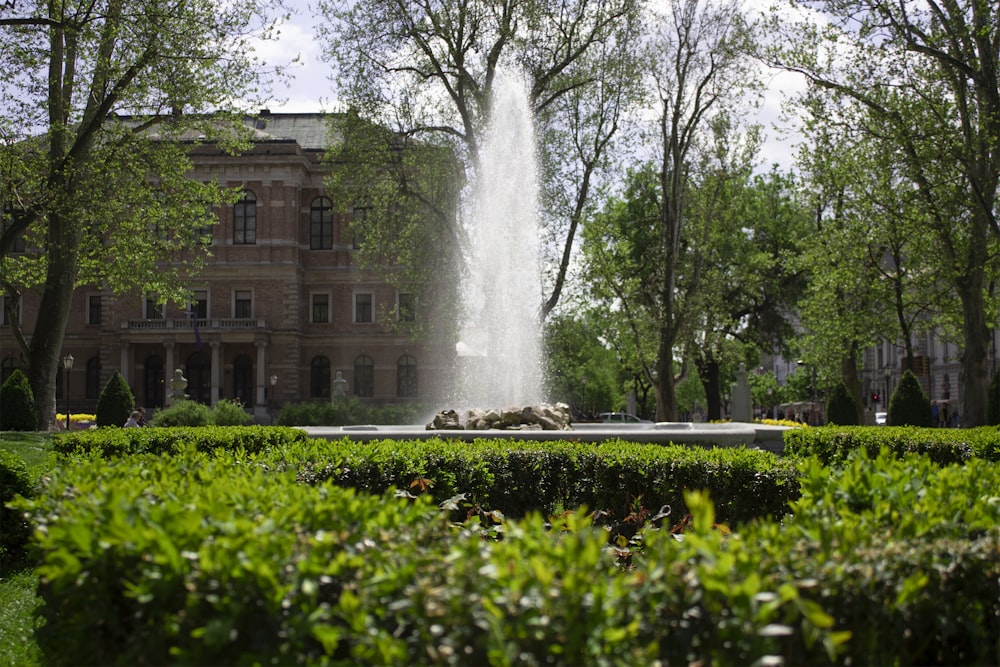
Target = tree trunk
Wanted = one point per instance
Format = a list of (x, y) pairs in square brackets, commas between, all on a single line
[(849, 374), (666, 396), (708, 373), (46, 346), (975, 374)]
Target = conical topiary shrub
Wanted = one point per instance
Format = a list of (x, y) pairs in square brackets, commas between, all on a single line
[(115, 403), (841, 406), (909, 405), (17, 404)]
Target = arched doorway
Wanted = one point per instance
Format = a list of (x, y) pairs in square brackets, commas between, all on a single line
[(243, 379), (199, 377), (153, 382)]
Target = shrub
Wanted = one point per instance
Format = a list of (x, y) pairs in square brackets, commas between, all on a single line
[(184, 413), (116, 402), (17, 404), (15, 480), (841, 406), (346, 412), (230, 413), (909, 405)]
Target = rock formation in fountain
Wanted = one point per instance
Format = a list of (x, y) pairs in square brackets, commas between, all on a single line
[(529, 418), (500, 351)]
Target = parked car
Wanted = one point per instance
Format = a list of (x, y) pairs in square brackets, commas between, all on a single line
[(880, 418), (621, 418)]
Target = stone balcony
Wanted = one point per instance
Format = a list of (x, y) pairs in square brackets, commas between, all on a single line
[(208, 325)]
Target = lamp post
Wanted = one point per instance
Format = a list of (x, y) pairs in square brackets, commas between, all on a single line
[(270, 397), (67, 363)]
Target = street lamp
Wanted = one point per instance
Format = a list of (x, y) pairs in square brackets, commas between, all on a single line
[(67, 366), (270, 397)]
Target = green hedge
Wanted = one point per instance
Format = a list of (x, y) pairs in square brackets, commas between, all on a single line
[(15, 480), (516, 477), (833, 444), (210, 559), (113, 442), (222, 558)]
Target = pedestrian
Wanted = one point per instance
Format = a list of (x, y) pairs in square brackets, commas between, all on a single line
[(141, 419), (132, 421)]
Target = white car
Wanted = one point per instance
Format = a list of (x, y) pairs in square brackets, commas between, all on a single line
[(880, 418), (621, 418)]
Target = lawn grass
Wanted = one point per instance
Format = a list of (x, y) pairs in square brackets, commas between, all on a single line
[(18, 581)]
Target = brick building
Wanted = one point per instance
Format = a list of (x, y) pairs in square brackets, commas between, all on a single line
[(280, 309)]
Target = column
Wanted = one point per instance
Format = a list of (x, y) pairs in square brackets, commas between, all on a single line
[(125, 365), (216, 369), (168, 370), (261, 382)]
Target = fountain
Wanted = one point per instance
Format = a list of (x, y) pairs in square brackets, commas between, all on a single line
[(500, 349), (499, 354)]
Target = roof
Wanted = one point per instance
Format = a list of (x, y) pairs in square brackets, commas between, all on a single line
[(311, 131)]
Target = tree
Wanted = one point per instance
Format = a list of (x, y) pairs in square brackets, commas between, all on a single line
[(82, 183), (909, 405), (695, 64), (926, 75), (17, 404), (581, 370), (116, 402), (426, 70)]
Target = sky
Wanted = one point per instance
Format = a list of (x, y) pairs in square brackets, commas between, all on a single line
[(312, 91)]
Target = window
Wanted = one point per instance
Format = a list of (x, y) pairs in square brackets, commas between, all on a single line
[(93, 309), (319, 378), (154, 310), (245, 220), (406, 377), (320, 308), (363, 307), (243, 304), (406, 308), (364, 377), (93, 378), (11, 309), (198, 308), (321, 224)]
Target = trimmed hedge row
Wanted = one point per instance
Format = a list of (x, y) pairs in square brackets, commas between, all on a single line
[(114, 442), (205, 558), (222, 558), (833, 444), (15, 480), (517, 477)]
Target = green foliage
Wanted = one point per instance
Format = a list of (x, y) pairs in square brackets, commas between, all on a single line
[(116, 402), (833, 445), (347, 411), (580, 369), (115, 443), (909, 405), (841, 406), (229, 413), (183, 413), (17, 404), (15, 480), (18, 619)]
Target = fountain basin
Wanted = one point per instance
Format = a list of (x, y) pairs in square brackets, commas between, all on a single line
[(729, 434)]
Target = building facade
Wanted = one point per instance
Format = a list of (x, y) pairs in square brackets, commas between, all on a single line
[(281, 308)]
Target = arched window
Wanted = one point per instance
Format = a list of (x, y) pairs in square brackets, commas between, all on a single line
[(321, 224), (153, 382), (319, 378), (243, 379), (199, 375), (93, 377), (406, 377), (364, 376), (245, 219)]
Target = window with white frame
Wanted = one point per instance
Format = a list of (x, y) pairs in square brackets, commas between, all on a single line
[(245, 219), (363, 307), (153, 310), (243, 304)]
